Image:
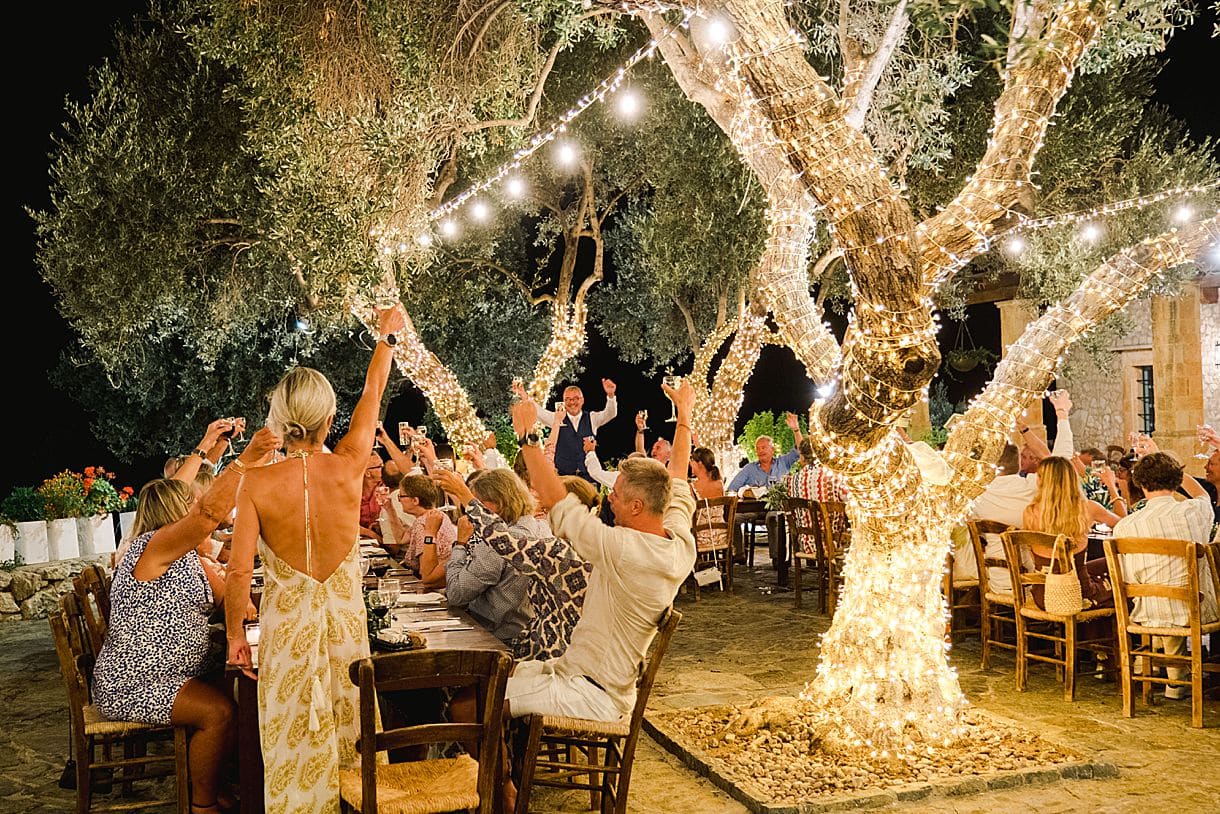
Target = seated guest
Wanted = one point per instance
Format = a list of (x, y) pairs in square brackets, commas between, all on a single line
[(1060, 507), (432, 533), (371, 497), (812, 481), (558, 576), (394, 521), (706, 481), (768, 470), (479, 579), (156, 665), (574, 424), (1160, 476), (1211, 469), (487, 457)]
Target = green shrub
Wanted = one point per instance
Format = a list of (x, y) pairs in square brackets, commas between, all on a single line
[(766, 423), (23, 504), (63, 495)]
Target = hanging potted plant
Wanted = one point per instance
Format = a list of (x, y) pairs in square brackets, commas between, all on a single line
[(63, 498), (965, 360), (24, 507)]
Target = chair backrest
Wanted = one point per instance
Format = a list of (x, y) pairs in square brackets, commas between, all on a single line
[(485, 670), (1122, 571), (643, 686), (805, 526), (92, 589), (712, 522), (1017, 550), (977, 528), (836, 528), (75, 665)]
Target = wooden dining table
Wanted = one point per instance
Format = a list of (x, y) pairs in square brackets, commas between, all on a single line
[(249, 749)]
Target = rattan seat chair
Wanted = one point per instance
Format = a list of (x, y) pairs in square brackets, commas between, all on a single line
[(92, 731), (712, 525), (465, 782), (606, 748), (1037, 625), (1118, 552), (997, 616)]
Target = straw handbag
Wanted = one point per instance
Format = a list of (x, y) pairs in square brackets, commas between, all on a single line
[(1062, 595)]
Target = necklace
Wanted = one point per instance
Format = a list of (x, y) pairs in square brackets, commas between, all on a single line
[(300, 453)]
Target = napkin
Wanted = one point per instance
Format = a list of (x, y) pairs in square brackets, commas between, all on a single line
[(406, 598)]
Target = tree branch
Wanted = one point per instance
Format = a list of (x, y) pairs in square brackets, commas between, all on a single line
[(861, 82), (530, 109)]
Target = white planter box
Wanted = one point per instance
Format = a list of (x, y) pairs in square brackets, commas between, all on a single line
[(62, 543), (126, 521), (8, 543), (32, 541), (95, 535)]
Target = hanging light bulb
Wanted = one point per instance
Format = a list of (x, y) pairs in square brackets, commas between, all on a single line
[(718, 31), (424, 239), (629, 103), (449, 227), (1014, 245), (827, 390), (1183, 214), (479, 211), (1090, 232), (566, 153), (515, 187)]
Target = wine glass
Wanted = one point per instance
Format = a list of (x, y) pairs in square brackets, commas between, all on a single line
[(365, 564), (673, 382), (1203, 448), (404, 433), (379, 604), (377, 435), (644, 415), (391, 586)]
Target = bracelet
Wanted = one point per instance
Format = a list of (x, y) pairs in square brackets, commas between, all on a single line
[(199, 451), (688, 429), (1025, 430)]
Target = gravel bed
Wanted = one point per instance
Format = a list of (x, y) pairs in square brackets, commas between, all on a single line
[(786, 764)]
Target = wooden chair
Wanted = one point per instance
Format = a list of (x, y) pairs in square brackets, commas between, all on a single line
[(1185, 591), (805, 535), (91, 731), (92, 589), (963, 596), (1036, 625), (553, 742), (713, 529), (465, 782), (834, 531), (997, 616)]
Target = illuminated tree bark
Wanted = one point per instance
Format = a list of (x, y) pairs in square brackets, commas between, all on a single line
[(884, 681)]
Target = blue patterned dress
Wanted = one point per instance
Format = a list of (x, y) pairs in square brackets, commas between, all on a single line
[(157, 640)]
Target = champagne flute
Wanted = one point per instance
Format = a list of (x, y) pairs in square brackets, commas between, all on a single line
[(404, 433), (377, 435), (673, 382), (644, 415)]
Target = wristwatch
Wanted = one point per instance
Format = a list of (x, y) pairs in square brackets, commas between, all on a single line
[(390, 339), (199, 451), (429, 541), (530, 439)]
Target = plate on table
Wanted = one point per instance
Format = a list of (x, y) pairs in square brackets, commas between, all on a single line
[(395, 641), (409, 598)]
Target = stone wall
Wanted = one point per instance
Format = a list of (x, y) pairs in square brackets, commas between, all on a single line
[(1097, 387), (33, 591), (1209, 324)]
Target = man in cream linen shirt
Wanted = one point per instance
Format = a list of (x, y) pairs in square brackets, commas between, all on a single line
[(638, 566), (1160, 475)]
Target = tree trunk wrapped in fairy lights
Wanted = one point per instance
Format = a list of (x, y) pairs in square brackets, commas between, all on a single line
[(884, 682)]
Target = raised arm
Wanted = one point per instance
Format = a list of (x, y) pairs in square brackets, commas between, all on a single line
[(543, 476), (359, 438), (594, 465), (210, 450), (684, 402), (639, 433), (610, 410)]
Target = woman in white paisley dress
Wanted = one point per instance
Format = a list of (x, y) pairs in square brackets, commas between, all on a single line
[(303, 515)]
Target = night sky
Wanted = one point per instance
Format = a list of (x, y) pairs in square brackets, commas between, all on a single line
[(60, 45)]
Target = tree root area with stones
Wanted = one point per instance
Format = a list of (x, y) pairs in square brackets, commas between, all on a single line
[(780, 750)]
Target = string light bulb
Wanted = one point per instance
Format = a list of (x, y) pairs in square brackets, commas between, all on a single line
[(515, 187), (566, 154), (629, 104), (479, 211), (449, 227)]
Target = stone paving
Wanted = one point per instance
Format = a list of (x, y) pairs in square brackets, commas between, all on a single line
[(733, 648)]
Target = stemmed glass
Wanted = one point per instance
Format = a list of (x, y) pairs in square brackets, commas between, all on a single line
[(673, 382), (404, 433), (1203, 447), (644, 415), (377, 435), (379, 604), (390, 586)]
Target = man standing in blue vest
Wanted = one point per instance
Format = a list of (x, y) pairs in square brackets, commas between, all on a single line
[(576, 426)]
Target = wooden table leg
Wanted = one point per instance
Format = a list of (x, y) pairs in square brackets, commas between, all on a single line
[(249, 749)]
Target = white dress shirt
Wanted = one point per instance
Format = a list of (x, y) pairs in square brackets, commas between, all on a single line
[(1172, 519), (596, 471), (596, 418)]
